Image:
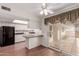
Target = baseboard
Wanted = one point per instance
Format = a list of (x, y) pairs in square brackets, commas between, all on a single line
[(66, 54), (44, 45)]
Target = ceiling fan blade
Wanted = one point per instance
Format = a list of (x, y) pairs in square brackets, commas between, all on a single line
[(51, 12)]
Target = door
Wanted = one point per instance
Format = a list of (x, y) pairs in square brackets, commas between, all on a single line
[(68, 41), (54, 40), (63, 38)]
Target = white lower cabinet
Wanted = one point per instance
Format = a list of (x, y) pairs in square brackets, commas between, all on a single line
[(19, 38)]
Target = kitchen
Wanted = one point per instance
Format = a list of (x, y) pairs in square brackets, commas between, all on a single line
[(19, 22)]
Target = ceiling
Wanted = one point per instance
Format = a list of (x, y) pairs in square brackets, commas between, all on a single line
[(30, 8), (35, 8)]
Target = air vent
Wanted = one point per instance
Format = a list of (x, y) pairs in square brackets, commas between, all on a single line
[(5, 8)]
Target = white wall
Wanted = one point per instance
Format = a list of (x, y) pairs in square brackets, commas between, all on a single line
[(45, 30)]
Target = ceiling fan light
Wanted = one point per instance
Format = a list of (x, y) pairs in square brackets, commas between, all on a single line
[(41, 12), (45, 12)]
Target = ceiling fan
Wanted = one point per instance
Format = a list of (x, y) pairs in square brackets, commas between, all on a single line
[(44, 10)]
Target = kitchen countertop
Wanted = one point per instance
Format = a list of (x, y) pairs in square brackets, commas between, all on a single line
[(19, 33), (32, 36)]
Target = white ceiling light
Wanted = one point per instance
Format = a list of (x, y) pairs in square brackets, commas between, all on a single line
[(44, 10), (20, 22)]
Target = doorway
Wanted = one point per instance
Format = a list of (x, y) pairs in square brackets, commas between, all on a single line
[(62, 38)]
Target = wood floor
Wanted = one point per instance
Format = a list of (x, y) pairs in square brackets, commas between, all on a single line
[(19, 49)]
